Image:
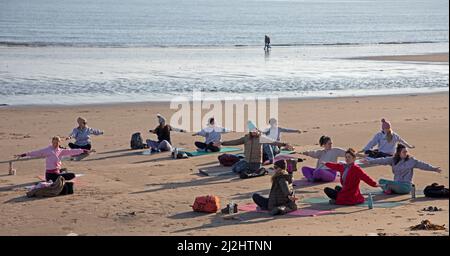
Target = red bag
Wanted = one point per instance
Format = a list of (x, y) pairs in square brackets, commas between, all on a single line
[(228, 159), (209, 204)]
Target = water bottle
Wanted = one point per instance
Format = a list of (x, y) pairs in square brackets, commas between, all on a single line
[(230, 207), (370, 201), (413, 191), (175, 153)]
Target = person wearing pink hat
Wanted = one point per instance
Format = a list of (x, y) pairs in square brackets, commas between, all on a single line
[(386, 141)]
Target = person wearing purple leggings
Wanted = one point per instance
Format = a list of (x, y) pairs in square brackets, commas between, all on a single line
[(321, 173)]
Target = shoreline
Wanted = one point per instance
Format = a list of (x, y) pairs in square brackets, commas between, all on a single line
[(166, 102)]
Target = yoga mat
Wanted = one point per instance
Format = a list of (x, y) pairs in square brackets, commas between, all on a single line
[(222, 150), (220, 171), (286, 152), (380, 192), (322, 200), (298, 212)]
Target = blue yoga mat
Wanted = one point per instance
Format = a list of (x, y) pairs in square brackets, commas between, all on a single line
[(222, 150), (322, 200)]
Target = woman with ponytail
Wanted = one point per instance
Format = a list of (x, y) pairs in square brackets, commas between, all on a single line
[(403, 166)]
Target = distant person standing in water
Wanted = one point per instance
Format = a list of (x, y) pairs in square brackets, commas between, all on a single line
[(267, 43)]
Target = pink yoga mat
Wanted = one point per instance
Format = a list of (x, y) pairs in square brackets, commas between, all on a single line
[(299, 212)]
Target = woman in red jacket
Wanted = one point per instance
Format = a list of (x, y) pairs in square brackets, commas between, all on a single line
[(351, 175)]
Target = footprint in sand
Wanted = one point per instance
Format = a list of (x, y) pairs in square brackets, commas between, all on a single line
[(317, 127), (408, 119)]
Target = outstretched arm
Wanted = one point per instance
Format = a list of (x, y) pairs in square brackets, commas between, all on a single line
[(236, 142), (37, 153), (334, 167), (177, 129), (73, 152), (95, 131), (372, 143), (289, 130), (378, 161), (312, 153), (72, 134), (426, 167), (401, 140), (367, 179)]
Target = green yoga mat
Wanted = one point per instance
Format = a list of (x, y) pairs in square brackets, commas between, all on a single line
[(322, 200), (222, 150)]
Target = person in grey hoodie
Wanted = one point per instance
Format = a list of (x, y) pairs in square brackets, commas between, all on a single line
[(403, 166), (81, 134), (274, 132), (213, 136)]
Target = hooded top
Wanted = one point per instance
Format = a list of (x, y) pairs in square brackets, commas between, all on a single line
[(281, 188), (404, 170), (274, 131), (212, 132)]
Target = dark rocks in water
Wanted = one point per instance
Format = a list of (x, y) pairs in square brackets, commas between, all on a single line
[(3, 105)]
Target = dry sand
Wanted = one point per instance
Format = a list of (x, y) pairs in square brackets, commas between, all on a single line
[(124, 193), (433, 57)]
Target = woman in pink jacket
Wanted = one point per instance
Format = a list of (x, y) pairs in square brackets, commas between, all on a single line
[(53, 155)]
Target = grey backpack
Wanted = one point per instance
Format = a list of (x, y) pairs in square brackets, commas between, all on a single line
[(136, 141)]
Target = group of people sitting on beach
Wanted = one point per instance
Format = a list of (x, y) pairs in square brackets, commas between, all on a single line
[(55, 152), (391, 150), (261, 148)]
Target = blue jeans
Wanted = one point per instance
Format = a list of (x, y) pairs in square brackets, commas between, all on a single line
[(270, 151)]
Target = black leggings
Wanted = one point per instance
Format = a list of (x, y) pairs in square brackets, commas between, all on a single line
[(332, 193), (209, 146), (261, 201), (54, 176), (74, 146), (376, 154)]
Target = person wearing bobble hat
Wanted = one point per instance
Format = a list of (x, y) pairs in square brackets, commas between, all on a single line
[(386, 141), (162, 132)]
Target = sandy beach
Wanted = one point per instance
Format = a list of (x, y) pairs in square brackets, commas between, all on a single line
[(434, 57), (126, 193)]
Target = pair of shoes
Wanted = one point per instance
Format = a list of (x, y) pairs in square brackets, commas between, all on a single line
[(226, 210)]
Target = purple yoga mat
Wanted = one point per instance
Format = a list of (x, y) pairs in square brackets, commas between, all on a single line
[(299, 212)]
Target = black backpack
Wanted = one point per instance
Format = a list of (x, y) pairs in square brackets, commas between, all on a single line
[(136, 141), (436, 191)]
